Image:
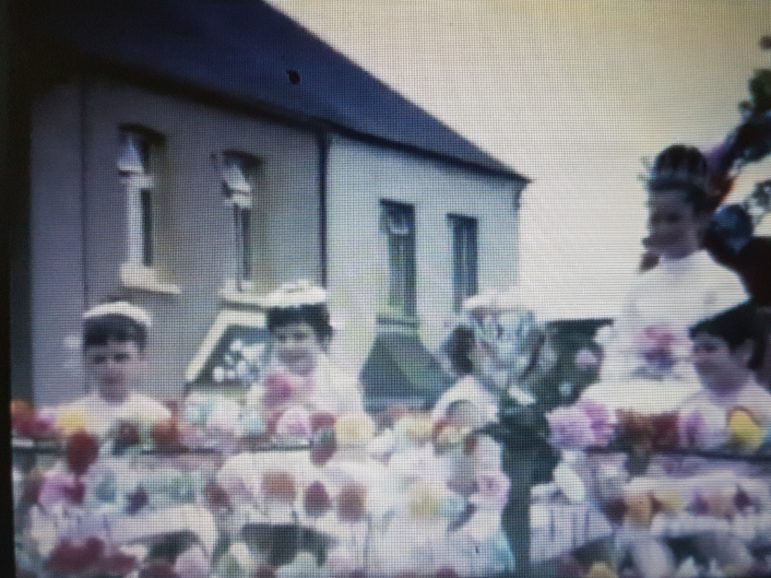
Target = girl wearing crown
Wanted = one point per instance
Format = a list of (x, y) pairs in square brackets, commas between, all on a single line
[(114, 342)]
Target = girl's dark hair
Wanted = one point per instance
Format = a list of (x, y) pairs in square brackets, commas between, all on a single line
[(736, 326), (113, 327), (458, 348), (682, 168), (317, 316)]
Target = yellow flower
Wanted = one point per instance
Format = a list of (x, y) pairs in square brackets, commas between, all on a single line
[(601, 570), (72, 420), (746, 433), (416, 426), (355, 429), (424, 501), (669, 501)]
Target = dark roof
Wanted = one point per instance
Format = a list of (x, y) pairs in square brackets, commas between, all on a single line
[(245, 50)]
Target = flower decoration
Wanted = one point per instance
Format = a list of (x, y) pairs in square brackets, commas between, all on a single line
[(324, 446), (75, 558), (70, 421), (166, 435), (351, 502), (26, 422), (278, 389), (354, 430), (82, 451), (278, 485), (647, 432), (705, 428), (424, 501), (661, 348), (321, 419), (745, 432), (294, 424), (61, 488), (415, 427), (316, 500), (192, 563), (570, 428)]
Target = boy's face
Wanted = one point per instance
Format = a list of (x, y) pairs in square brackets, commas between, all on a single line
[(673, 226), (297, 347), (719, 367), (114, 368)]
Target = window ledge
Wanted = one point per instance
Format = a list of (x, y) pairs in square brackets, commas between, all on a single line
[(144, 278), (230, 294), (394, 319)]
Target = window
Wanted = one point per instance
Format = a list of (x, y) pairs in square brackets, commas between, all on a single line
[(137, 159), (464, 258), (239, 185), (398, 224)]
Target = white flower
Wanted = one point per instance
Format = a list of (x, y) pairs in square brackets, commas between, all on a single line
[(242, 369), (236, 345), (218, 373), (230, 374)]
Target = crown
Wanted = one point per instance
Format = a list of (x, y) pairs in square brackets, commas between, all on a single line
[(296, 294), (122, 308), (679, 166)]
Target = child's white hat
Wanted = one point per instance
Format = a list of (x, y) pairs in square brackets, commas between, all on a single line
[(296, 294), (123, 308)]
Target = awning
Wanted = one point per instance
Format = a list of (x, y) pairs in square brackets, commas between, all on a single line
[(400, 370)]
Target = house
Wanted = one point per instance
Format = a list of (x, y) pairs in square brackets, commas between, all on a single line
[(196, 154)]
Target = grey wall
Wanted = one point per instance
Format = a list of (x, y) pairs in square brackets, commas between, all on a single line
[(193, 226)]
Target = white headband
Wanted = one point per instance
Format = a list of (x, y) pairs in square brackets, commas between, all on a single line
[(297, 294), (123, 308)]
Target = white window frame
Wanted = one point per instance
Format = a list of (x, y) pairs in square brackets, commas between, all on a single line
[(136, 162), (397, 223)]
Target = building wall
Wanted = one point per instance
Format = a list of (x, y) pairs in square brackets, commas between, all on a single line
[(76, 190), (360, 176)]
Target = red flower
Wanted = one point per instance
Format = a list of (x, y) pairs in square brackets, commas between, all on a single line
[(27, 423), (117, 564), (317, 500), (166, 435), (278, 485), (68, 558), (82, 451), (158, 570), (665, 429), (76, 492), (351, 502), (324, 446), (322, 419), (278, 389)]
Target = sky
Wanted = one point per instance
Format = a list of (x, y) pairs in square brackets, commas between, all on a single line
[(570, 94)]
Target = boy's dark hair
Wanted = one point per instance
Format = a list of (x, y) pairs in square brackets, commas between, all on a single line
[(458, 349), (100, 330), (737, 326), (317, 316), (682, 168)]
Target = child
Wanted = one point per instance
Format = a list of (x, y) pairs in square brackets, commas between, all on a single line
[(300, 331), (114, 341)]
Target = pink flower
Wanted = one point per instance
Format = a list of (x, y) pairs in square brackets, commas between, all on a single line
[(235, 485), (60, 488), (320, 419), (494, 487), (192, 563), (600, 420), (69, 558), (294, 423), (278, 389), (279, 486), (570, 428), (351, 502), (586, 359), (316, 500)]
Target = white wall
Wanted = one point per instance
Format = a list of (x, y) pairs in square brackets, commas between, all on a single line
[(360, 176), (194, 227)]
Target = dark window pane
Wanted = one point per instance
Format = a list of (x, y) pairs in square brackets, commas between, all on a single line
[(147, 228)]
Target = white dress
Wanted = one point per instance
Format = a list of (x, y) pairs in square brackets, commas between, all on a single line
[(101, 415), (663, 302)]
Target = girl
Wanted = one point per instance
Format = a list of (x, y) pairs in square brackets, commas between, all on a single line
[(114, 342), (299, 369)]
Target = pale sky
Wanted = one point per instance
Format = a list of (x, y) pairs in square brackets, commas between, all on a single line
[(571, 94)]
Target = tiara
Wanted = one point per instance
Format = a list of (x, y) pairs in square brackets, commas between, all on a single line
[(296, 294), (679, 165), (122, 308)]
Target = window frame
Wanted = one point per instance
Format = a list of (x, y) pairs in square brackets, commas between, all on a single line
[(464, 240), (401, 299)]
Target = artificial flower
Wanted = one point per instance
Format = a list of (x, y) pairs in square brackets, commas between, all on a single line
[(351, 501), (745, 432), (82, 451), (321, 419), (316, 500), (61, 488), (415, 427), (72, 420), (278, 485), (294, 424), (166, 435), (705, 428), (424, 501), (570, 428), (192, 563), (324, 446), (75, 558), (278, 389), (354, 430)]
